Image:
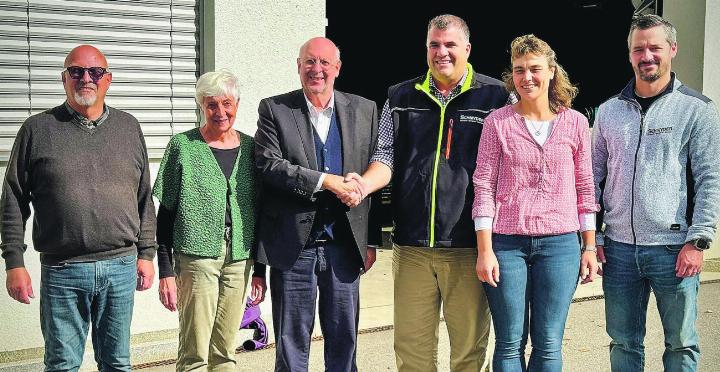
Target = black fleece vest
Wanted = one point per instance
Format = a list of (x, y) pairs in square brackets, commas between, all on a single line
[(427, 158)]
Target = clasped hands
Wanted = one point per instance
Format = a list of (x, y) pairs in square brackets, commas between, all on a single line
[(351, 189)]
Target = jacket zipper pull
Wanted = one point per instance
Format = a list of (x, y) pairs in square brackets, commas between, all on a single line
[(449, 141)]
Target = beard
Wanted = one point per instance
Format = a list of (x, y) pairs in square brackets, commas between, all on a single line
[(650, 77), (85, 101)]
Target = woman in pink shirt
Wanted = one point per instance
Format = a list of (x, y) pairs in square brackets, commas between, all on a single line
[(533, 192)]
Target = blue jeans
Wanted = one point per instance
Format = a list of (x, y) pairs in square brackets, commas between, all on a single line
[(538, 277), (630, 272), (333, 271), (75, 295)]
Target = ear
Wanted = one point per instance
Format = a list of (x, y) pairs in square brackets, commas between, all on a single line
[(297, 60), (339, 64), (109, 77), (62, 76), (467, 49), (673, 50)]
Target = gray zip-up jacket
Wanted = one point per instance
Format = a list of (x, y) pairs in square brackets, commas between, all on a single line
[(657, 174)]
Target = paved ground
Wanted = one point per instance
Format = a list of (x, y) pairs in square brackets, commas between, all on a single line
[(585, 345)]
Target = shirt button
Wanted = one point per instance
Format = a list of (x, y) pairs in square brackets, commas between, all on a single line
[(327, 168)]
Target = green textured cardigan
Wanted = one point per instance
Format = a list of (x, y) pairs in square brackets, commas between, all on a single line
[(191, 184)]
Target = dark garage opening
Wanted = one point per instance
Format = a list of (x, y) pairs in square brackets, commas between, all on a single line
[(382, 47)]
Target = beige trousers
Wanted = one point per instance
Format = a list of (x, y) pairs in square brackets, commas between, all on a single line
[(211, 303), (425, 279)]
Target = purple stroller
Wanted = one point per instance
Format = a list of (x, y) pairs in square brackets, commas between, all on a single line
[(251, 320)]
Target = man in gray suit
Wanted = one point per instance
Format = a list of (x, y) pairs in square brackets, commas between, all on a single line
[(305, 141)]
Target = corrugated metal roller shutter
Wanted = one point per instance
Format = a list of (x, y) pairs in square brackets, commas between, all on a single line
[(14, 72), (151, 47)]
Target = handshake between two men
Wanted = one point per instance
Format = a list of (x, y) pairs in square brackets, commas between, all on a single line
[(351, 189)]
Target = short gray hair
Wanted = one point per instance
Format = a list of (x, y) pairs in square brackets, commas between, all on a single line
[(443, 21), (216, 84), (646, 21)]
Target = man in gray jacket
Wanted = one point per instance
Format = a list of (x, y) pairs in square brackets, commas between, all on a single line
[(657, 178)]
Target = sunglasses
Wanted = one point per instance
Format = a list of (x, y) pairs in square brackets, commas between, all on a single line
[(96, 73)]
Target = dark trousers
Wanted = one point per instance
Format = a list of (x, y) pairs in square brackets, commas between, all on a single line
[(333, 271)]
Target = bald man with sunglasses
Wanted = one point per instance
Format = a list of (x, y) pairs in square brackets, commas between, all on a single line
[(83, 166)]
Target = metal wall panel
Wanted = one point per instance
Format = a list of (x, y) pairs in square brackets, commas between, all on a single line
[(151, 47), (14, 71)]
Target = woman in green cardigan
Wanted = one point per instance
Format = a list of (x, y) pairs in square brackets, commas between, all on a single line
[(206, 225)]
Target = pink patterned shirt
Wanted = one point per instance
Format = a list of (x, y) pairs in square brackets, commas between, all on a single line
[(530, 189)]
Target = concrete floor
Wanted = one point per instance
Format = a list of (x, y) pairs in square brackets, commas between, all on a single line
[(585, 341)]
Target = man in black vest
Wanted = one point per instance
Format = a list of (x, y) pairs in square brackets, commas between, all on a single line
[(306, 140), (428, 138)]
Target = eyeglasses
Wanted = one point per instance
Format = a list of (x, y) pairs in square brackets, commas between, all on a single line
[(96, 73), (324, 64)]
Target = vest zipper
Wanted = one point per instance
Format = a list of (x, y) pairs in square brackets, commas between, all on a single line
[(436, 165), (436, 162), (449, 141)]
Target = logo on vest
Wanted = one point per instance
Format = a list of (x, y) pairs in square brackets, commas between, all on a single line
[(652, 131), (471, 119)]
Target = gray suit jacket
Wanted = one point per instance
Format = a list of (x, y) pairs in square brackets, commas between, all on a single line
[(286, 161)]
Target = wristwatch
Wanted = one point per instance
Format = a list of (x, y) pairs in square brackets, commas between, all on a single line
[(588, 248), (700, 244)]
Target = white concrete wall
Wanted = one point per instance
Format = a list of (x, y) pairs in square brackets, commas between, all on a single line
[(258, 41), (711, 72), (689, 19)]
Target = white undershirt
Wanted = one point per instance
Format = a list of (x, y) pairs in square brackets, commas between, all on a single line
[(539, 130)]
